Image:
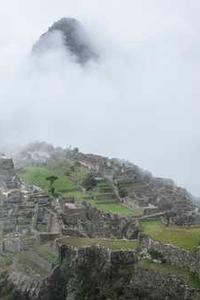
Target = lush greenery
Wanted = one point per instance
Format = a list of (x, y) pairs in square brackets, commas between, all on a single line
[(89, 182), (68, 183), (52, 189), (38, 175), (184, 237), (107, 243)]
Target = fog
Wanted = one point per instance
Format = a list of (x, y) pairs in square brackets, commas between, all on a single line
[(140, 101)]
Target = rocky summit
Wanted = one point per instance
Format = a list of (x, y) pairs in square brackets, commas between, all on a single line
[(82, 226), (70, 33)]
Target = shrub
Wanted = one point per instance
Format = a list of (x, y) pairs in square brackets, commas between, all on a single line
[(89, 182)]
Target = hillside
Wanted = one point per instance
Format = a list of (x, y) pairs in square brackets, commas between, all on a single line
[(119, 183), (107, 230)]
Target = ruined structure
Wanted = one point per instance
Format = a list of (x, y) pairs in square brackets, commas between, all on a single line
[(87, 221), (138, 189), (59, 248), (135, 188), (23, 210)]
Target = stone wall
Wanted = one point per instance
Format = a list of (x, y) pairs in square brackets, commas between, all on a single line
[(18, 244), (97, 273), (173, 255), (93, 223), (8, 178)]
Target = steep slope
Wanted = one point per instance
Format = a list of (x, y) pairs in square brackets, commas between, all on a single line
[(71, 34)]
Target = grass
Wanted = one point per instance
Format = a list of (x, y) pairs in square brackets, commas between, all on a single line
[(183, 237), (113, 207), (102, 197), (46, 252), (38, 175), (107, 243), (169, 270)]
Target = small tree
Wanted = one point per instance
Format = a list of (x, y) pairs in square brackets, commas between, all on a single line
[(123, 192), (89, 182), (52, 180)]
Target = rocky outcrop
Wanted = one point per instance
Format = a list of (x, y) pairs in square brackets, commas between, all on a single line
[(71, 34), (91, 272), (96, 273)]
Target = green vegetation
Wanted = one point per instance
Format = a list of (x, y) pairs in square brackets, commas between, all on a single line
[(113, 207), (183, 237), (38, 175), (69, 182), (89, 182), (52, 189), (169, 270), (107, 243)]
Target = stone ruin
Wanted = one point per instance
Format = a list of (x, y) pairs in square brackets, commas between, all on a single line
[(83, 220), (28, 217), (8, 178), (24, 211)]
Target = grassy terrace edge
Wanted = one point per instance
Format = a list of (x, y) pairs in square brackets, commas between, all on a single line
[(111, 244), (187, 238)]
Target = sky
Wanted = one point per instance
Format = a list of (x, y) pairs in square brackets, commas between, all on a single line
[(139, 102)]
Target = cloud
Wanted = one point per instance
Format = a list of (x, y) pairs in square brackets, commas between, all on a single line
[(140, 102)]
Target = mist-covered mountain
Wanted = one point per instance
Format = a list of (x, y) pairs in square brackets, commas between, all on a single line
[(70, 33)]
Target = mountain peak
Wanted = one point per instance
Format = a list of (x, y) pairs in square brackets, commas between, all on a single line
[(74, 38)]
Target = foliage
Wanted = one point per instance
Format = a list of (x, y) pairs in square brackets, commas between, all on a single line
[(123, 192), (52, 180), (89, 182), (38, 175)]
